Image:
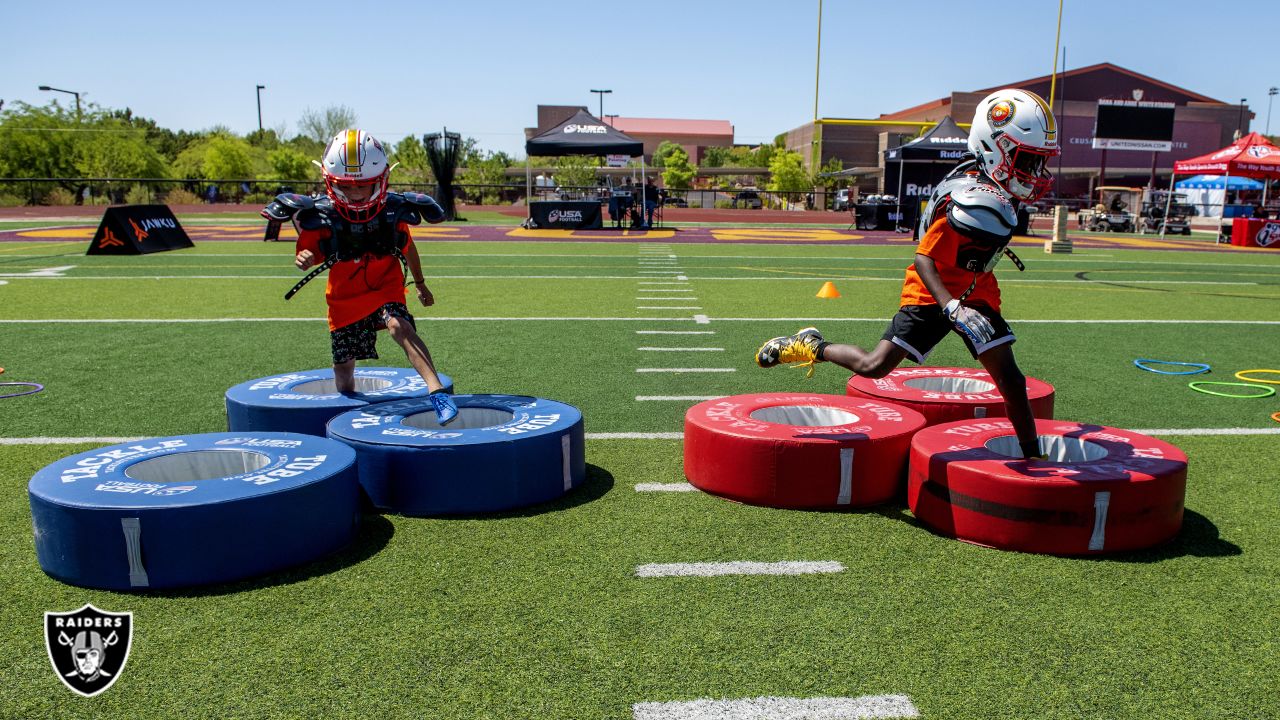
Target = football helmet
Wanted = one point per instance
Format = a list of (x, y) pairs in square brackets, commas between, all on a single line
[(1013, 136), (356, 172)]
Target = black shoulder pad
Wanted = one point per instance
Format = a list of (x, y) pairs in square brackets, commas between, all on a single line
[(317, 216), (425, 205), (286, 205)]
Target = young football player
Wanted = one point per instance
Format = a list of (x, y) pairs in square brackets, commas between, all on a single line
[(360, 233), (965, 228)]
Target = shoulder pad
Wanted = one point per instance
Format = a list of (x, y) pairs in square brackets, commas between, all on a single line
[(414, 207), (316, 217), (981, 210), (285, 205)]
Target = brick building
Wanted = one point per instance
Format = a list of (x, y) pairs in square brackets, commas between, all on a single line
[(1201, 124)]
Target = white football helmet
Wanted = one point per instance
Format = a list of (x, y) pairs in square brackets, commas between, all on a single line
[(1013, 136), (356, 172)]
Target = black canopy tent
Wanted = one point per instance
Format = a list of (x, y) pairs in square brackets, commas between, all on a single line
[(582, 134), (921, 162)]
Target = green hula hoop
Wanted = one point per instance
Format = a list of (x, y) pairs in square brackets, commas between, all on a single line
[(1241, 376), (1269, 390)]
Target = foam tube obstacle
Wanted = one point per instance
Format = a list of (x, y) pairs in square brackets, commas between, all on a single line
[(501, 452), (193, 509), (1102, 489), (304, 401), (943, 394), (787, 450)]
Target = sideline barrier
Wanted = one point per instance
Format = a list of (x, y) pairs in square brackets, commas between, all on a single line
[(193, 509)]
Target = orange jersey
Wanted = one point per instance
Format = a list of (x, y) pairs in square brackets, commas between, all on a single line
[(944, 244), (357, 288)]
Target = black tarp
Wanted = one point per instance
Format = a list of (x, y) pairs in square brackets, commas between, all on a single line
[(583, 134), (922, 162), (945, 142)]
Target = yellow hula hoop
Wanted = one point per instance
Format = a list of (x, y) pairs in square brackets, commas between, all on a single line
[(1241, 376)]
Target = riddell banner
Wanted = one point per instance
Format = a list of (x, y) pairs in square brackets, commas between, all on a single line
[(138, 229)]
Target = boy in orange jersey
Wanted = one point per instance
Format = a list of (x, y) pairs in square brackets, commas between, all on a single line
[(360, 232), (950, 287)]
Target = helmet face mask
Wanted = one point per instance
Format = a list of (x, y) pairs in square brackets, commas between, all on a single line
[(1013, 136), (356, 174)]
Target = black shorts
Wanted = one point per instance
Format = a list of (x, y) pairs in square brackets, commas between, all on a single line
[(358, 341), (918, 328)]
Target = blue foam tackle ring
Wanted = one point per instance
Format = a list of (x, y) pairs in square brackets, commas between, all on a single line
[(192, 510), (502, 452), (304, 401), (1199, 367)]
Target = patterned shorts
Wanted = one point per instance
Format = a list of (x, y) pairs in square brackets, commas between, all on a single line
[(358, 341)]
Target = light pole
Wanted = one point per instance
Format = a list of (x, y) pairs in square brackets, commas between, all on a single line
[(260, 89), (69, 92), (1271, 96), (601, 93), (609, 119), (1240, 119)]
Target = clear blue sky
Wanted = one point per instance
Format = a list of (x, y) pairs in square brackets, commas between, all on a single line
[(482, 66)]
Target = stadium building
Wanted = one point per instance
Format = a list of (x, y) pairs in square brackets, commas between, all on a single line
[(1201, 125)]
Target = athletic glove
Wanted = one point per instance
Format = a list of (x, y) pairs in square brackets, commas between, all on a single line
[(969, 321)]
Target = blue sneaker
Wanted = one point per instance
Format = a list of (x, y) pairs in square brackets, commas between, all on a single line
[(446, 408)]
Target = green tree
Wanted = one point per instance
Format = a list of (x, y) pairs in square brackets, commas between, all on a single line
[(787, 174), (715, 156), (664, 150), (576, 170), (490, 172), (834, 165), (217, 157), (678, 174), (289, 165), (412, 157), (117, 150), (322, 125), (39, 142)]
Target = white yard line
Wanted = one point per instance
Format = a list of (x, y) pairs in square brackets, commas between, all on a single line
[(635, 436), (665, 487), (867, 707), (675, 332), (686, 370), (667, 298), (668, 307), (702, 319), (738, 567), (678, 398), (680, 349)]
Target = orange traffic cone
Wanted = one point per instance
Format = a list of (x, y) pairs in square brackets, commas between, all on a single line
[(828, 290)]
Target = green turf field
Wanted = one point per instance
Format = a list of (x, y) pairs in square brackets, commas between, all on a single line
[(539, 613)]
